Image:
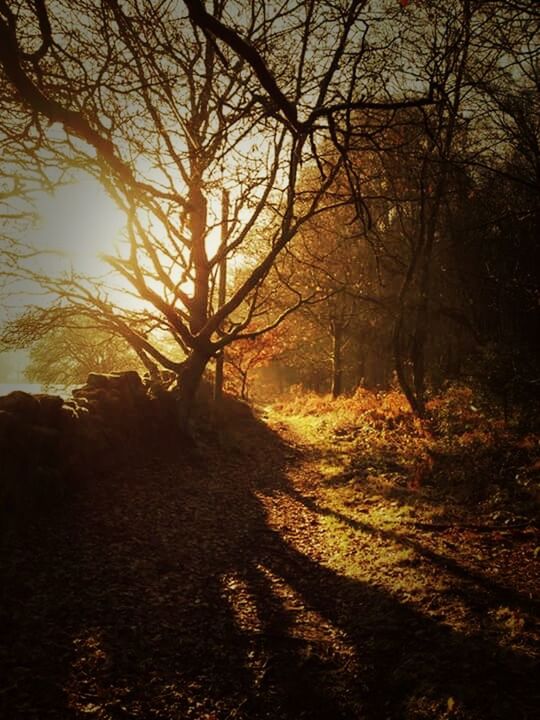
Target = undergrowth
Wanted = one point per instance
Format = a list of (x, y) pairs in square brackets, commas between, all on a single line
[(463, 451)]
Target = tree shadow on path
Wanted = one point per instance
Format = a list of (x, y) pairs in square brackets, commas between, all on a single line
[(165, 592)]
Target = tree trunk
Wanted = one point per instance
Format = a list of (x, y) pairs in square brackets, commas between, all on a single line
[(418, 354), (198, 310), (243, 391), (189, 380), (360, 379), (222, 289), (337, 360), (218, 377), (400, 364)]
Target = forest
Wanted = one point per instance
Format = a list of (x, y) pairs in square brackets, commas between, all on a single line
[(269, 272)]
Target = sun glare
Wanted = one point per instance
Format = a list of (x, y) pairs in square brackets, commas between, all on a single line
[(78, 223)]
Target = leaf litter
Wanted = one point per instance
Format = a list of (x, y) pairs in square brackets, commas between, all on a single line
[(244, 583)]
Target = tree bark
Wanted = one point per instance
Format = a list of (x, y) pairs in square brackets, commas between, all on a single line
[(189, 380)]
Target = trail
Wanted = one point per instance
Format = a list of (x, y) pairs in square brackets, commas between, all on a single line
[(230, 586)]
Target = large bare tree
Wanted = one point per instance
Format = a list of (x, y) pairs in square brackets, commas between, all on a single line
[(166, 104)]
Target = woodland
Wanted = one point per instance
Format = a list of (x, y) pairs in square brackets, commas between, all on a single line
[(292, 469)]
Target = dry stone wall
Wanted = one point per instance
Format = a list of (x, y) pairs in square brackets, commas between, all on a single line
[(48, 443)]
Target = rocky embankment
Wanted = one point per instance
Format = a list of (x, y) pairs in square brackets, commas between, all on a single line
[(47, 443)]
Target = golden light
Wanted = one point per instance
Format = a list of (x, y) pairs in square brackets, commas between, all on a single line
[(78, 223)]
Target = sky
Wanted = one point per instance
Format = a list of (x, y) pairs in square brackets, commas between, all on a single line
[(76, 224), (79, 221)]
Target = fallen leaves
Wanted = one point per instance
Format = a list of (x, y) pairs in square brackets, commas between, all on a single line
[(249, 587)]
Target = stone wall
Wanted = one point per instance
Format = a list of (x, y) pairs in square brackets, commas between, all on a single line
[(47, 443)]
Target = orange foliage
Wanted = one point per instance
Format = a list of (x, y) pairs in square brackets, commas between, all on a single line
[(244, 356), (393, 441)]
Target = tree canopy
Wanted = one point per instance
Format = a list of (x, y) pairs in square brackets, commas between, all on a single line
[(170, 105)]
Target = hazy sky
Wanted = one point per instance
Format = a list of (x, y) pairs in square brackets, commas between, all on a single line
[(77, 223), (80, 221)]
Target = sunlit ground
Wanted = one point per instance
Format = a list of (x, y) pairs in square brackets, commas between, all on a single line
[(382, 478)]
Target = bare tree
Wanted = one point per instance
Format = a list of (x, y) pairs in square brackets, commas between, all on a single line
[(165, 107)]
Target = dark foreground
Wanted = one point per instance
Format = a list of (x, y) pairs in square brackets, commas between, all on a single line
[(228, 587)]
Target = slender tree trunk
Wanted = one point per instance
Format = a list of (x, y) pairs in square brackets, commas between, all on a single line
[(243, 391), (198, 310), (400, 364), (337, 359), (422, 319), (360, 369), (222, 289), (218, 377)]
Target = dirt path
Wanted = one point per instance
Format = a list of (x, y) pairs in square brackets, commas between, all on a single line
[(242, 585)]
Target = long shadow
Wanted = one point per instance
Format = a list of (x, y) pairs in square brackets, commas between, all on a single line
[(505, 594), (165, 593)]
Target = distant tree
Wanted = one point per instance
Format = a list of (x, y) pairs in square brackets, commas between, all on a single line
[(246, 356), (65, 354), (326, 260), (68, 355)]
